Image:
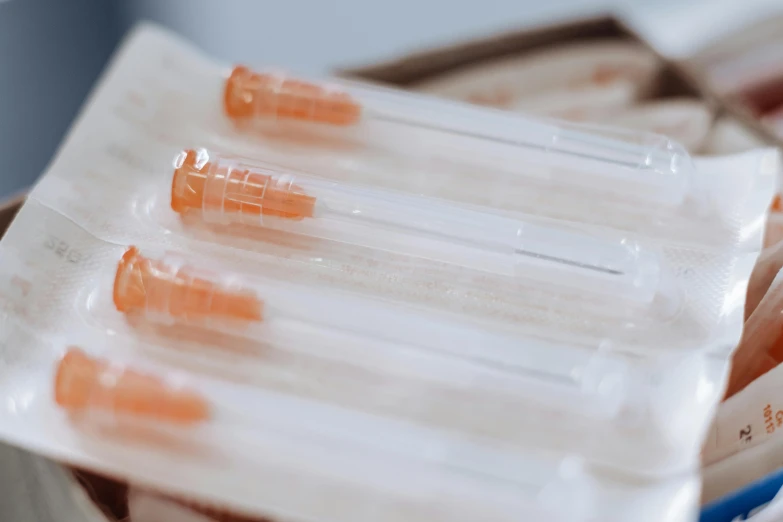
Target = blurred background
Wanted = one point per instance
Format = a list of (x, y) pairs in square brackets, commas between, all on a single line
[(52, 51)]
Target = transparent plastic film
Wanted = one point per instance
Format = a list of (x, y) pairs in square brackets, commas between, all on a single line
[(224, 191), (592, 386), (409, 158), (459, 167), (535, 294), (498, 303), (94, 389), (169, 291), (447, 377), (647, 166), (326, 448)]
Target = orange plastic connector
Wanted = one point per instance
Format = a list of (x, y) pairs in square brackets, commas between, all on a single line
[(85, 383), (225, 188), (151, 286), (250, 95)]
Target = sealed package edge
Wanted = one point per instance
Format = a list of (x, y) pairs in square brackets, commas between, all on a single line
[(119, 306)]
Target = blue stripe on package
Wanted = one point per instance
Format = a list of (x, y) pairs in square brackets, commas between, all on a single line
[(744, 503)]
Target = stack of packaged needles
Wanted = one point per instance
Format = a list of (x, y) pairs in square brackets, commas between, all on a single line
[(330, 302)]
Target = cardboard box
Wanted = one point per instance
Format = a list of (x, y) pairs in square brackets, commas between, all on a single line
[(739, 57), (8, 209), (409, 70), (674, 79)]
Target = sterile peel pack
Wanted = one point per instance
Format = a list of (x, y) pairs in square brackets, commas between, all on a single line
[(345, 303)]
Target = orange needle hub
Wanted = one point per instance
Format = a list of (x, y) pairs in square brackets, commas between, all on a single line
[(151, 286), (226, 188), (250, 95), (83, 383)]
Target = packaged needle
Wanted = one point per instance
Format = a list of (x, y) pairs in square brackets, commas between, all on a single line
[(320, 300)]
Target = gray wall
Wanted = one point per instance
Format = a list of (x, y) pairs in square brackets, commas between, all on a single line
[(51, 52), (313, 36)]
